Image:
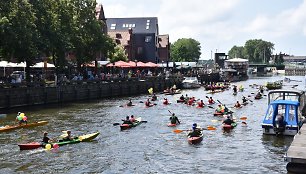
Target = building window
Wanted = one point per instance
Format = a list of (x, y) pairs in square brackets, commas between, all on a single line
[(148, 39), (123, 26), (139, 50), (113, 26), (134, 25), (147, 27)]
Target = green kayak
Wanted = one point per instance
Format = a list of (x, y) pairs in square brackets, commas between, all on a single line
[(82, 138)]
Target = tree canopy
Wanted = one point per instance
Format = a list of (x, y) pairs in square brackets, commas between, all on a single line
[(35, 29), (185, 50), (255, 50)]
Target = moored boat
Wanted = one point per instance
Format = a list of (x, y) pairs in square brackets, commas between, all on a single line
[(29, 125), (282, 117), (191, 83), (128, 126)]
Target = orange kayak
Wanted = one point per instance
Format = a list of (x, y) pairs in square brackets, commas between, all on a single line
[(29, 125)]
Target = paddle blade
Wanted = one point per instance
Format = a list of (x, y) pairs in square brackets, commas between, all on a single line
[(211, 128), (177, 131), (243, 118), (116, 124), (144, 121), (211, 107)]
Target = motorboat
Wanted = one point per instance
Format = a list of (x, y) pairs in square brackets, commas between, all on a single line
[(191, 82), (283, 117)]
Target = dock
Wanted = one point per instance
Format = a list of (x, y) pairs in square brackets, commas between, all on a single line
[(296, 154)]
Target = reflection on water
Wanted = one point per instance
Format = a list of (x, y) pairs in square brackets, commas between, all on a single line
[(151, 147)]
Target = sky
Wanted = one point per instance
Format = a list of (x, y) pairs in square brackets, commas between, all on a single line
[(221, 24)]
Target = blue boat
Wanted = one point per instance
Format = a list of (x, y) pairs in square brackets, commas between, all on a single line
[(282, 118)]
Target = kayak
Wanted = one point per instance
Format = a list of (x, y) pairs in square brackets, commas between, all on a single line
[(195, 140), (82, 138), (128, 126), (200, 106), (29, 125), (171, 125), (258, 97), (180, 101), (30, 146), (218, 114), (229, 127), (149, 105)]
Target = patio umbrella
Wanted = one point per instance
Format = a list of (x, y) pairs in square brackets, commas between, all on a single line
[(152, 65)]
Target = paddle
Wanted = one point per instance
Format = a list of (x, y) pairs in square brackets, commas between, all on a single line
[(182, 130)]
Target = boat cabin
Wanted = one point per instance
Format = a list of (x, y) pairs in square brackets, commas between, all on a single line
[(282, 117), (292, 95)]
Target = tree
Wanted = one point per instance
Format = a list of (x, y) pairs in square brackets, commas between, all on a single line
[(258, 50), (188, 50), (118, 54), (235, 52), (19, 34)]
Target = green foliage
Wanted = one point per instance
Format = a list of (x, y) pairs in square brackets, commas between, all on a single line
[(188, 50), (119, 54), (258, 51), (236, 52), (31, 29), (255, 50)]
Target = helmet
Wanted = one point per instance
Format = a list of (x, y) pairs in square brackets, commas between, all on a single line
[(127, 117), (194, 125)]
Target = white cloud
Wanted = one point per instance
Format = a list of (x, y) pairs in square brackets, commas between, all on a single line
[(220, 24)]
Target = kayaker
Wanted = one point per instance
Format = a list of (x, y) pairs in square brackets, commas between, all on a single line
[(127, 120), (211, 100), (129, 103), (165, 102), (190, 101), (244, 99), (154, 97), (237, 105), (220, 109), (148, 103), (261, 89), (182, 97), (174, 119), (21, 118), (258, 95), (196, 132), (235, 89), (132, 119), (68, 137), (46, 138), (228, 121), (201, 104)]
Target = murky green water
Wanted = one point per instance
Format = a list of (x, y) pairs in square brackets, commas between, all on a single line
[(151, 147)]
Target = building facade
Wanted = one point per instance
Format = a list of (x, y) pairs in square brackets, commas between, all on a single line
[(144, 43)]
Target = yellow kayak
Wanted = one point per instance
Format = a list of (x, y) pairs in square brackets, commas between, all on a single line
[(29, 125)]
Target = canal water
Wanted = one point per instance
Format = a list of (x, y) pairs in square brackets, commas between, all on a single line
[(151, 147)]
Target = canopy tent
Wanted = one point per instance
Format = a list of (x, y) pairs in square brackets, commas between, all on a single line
[(120, 64), (151, 65), (43, 65)]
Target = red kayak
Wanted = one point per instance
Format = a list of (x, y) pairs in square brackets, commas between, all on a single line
[(195, 140), (200, 106), (180, 101), (30, 146), (171, 125), (218, 114)]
